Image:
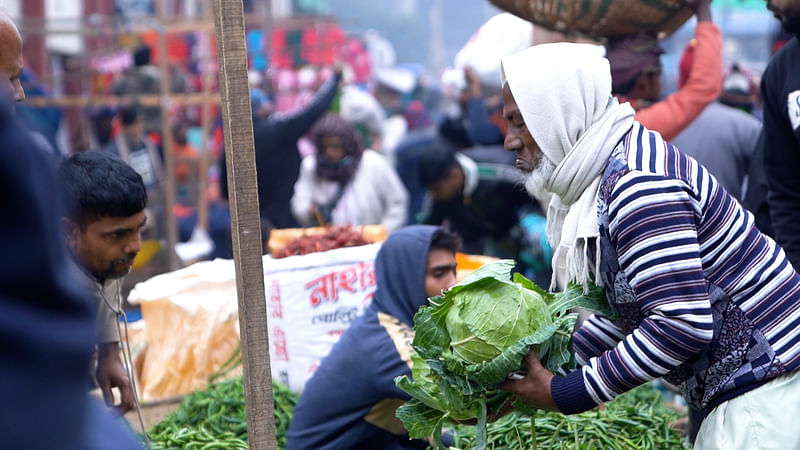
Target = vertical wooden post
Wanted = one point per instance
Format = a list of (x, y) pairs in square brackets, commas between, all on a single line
[(204, 162), (166, 140), (245, 221)]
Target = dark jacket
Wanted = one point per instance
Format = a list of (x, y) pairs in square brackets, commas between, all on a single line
[(351, 400), (780, 89), (755, 199), (492, 208), (277, 157), (46, 319)]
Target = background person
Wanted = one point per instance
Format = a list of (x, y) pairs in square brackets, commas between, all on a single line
[(780, 89), (636, 70), (351, 400), (344, 184), (104, 200)]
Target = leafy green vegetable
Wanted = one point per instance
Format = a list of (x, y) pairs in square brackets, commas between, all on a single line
[(470, 339), (488, 317)]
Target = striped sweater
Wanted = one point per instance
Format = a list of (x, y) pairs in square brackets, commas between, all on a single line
[(701, 297)]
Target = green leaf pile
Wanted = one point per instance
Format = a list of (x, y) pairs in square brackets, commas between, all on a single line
[(470, 339)]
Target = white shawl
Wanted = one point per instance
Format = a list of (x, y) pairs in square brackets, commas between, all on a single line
[(563, 92)]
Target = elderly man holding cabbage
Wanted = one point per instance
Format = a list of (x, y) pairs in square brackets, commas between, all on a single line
[(697, 294)]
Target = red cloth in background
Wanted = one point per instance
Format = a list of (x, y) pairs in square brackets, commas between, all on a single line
[(321, 45)]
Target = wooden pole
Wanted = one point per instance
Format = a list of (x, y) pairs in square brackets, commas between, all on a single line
[(204, 161), (245, 221), (76, 101), (167, 142)]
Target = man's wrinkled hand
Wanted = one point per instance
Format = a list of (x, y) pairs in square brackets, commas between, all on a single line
[(534, 388), (111, 373)]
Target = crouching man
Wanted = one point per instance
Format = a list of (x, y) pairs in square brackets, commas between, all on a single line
[(104, 201)]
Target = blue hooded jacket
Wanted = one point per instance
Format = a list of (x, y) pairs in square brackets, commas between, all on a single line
[(351, 400)]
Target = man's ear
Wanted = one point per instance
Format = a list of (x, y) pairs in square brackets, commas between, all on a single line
[(70, 231)]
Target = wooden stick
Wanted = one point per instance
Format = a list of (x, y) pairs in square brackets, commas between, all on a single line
[(245, 222), (167, 142), (203, 164), (205, 151), (73, 101), (107, 25)]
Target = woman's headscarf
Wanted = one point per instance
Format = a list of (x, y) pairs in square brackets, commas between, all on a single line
[(343, 170), (563, 92)]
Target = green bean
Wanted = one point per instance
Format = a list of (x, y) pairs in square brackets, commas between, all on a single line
[(635, 420), (215, 419)]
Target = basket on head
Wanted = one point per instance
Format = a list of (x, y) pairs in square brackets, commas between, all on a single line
[(601, 18)]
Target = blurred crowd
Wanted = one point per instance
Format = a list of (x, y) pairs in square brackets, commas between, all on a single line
[(339, 142)]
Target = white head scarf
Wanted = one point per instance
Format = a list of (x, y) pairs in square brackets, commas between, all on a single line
[(563, 92)]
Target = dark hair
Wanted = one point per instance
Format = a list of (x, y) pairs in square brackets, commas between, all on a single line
[(97, 184), (141, 56), (128, 115), (624, 88), (435, 163), (445, 240)]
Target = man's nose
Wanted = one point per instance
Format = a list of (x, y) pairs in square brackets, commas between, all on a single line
[(19, 92), (512, 142), (135, 244), (451, 280)]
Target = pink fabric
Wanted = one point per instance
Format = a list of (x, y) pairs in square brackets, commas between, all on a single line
[(671, 115)]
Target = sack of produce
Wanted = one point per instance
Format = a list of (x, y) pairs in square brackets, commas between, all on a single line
[(601, 18), (192, 316)]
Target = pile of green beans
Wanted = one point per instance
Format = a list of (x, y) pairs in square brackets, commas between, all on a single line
[(635, 420), (215, 419)]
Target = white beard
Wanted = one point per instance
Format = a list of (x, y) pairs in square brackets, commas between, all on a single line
[(535, 181)]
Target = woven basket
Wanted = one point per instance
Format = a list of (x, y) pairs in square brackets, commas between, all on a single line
[(601, 18)]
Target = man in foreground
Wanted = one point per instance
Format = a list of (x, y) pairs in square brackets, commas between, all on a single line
[(45, 318), (351, 400), (104, 200), (701, 297)]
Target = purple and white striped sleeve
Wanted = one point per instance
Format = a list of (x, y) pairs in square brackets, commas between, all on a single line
[(653, 228), (595, 336)]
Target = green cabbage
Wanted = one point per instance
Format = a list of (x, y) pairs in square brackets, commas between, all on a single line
[(471, 338), (486, 320)]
